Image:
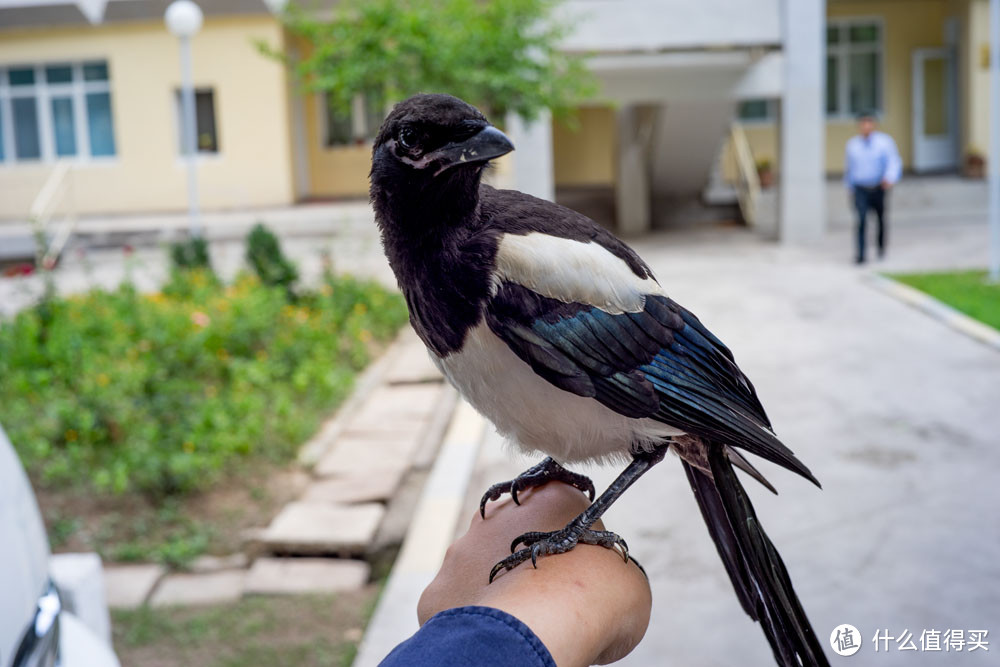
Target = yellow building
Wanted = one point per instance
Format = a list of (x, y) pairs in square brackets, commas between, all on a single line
[(105, 96), (96, 82), (921, 64), (102, 92)]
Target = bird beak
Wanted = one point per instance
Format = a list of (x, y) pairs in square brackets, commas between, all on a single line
[(485, 145)]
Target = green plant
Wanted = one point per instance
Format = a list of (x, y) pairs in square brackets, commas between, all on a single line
[(975, 154), (115, 391), (175, 551), (191, 253), (256, 631), (763, 164), (62, 529), (501, 55), (266, 259)]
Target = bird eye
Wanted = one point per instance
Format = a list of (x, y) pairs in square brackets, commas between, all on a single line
[(408, 137)]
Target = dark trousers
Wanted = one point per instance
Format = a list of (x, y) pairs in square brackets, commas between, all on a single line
[(866, 199)]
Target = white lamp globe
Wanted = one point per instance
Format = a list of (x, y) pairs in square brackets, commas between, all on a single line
[(183, 18)]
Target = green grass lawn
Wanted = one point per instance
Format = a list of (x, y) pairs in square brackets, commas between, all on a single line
[(967, 291)]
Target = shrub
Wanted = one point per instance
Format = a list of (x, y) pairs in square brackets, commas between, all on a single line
[(162, 393), (266, 259), (191, 253)]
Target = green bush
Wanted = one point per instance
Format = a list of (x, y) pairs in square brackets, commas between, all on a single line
[(190, 253), (266, 259), (162, 393)]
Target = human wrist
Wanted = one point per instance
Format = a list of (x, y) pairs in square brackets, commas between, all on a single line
[(571, 614)]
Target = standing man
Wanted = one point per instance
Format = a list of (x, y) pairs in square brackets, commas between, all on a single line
[(871, 167)]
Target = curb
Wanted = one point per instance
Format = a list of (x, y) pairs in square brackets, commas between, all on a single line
[(940, 311), (432, 529), (364, 384)]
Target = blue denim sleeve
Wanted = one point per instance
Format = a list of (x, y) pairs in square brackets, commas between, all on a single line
[(480, 636)]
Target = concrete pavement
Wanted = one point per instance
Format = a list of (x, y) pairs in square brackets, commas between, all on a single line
[(895, 413), (342, 233)]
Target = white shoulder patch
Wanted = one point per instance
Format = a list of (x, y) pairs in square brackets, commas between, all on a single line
[(571, 271)]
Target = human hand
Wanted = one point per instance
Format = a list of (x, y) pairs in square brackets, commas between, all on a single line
[(886, 185), (587, 606)]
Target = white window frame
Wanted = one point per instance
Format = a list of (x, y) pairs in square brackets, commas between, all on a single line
[(358, 123), (178, 97), (43, 92), (770, 117), (843, 50)]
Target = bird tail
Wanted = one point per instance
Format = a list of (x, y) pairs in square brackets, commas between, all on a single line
[(758, 574)]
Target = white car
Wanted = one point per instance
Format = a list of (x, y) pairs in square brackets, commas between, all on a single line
[(36, 629)]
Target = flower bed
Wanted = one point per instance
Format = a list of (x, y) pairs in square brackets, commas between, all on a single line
[(162, 394)]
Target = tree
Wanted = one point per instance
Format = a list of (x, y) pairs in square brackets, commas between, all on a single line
[(501, 55)]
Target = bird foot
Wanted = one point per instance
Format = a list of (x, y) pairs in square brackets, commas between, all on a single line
[(546, 471), (557, 542)]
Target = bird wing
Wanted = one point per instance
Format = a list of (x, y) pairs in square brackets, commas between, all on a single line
[(596, 325)]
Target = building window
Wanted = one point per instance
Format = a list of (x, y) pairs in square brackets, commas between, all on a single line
[(361, 124), (206, 132), (57, 110), (853, 67), (757, 111)]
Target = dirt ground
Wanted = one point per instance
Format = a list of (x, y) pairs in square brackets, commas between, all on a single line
[(299, 631), (174, 531)]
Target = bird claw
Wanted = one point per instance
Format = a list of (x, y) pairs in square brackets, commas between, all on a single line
[(556, 542), (538, 475)]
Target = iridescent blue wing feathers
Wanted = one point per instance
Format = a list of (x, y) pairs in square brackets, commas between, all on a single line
[(659, 362)]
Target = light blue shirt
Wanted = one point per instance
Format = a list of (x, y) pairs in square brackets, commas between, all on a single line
[(869, 161)]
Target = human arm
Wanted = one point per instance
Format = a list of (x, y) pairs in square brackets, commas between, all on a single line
[(893, 164), (848, 182), (587, 606)]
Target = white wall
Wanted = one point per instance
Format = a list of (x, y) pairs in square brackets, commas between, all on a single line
[(532, 157), (653, 25)]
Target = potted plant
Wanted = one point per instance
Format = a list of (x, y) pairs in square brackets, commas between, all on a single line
[(764, 173), (974, 164)]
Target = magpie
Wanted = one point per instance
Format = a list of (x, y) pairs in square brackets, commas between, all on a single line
[(560, 334)]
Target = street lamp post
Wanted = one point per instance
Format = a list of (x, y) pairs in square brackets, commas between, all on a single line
[(183, 18)]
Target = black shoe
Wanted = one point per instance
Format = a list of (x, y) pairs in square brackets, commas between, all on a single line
[(859, 260)]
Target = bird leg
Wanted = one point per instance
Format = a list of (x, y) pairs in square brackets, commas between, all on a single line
[(537, 475), (578, 530)]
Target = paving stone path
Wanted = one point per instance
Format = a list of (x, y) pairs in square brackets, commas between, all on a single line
[(389, 429)]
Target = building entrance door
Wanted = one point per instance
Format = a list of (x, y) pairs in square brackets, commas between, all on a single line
[(935, 131)]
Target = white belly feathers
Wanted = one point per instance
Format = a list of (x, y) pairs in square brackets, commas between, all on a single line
[(536, 415)]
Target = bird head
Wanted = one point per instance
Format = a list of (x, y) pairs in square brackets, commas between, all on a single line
[(433, 146), (433, 134)]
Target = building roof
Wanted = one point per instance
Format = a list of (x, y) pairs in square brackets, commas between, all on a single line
[(18, 14)]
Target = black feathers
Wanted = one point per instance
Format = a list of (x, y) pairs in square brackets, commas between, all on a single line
[(660, 362), (584, 312), (755, 568)]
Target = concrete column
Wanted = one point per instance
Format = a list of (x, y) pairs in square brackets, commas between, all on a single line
[(632, 205), (532, 156), (299, 147), (802, 206)]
